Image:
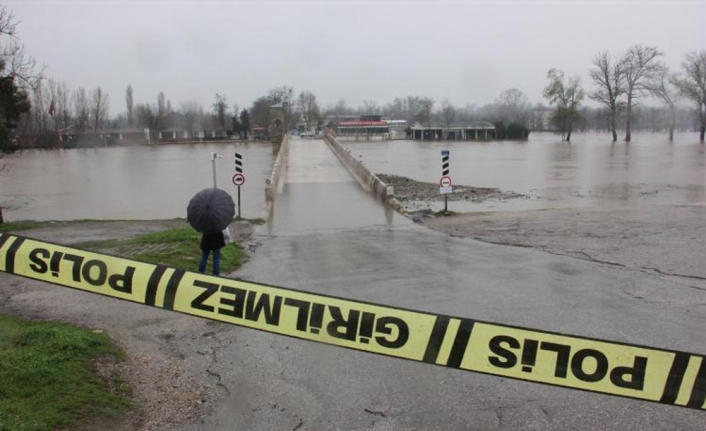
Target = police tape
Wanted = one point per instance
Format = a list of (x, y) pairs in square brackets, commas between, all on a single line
[(632, 371)]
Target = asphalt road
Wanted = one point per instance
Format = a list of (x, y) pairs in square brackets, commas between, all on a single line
[(278, 383), (272, 382)]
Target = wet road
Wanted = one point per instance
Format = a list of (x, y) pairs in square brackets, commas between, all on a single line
[(276, 382), (319, 194), (280, 383)]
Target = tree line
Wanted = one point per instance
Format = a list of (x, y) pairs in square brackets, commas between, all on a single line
[(620, 81), (36, 111)]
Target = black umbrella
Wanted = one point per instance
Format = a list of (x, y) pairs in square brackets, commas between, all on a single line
[(210, 211)]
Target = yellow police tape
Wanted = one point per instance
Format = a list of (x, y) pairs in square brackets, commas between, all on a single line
[(644, 373)]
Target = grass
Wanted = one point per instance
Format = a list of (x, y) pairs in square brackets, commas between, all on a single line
[(181, 245), (443, 213), (181, 249), (49, 378), (22, 225)]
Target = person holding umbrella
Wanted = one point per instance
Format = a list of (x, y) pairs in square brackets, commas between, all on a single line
[(213, 243), (210, 212)]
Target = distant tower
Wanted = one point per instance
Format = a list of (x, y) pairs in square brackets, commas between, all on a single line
[(278, 122)]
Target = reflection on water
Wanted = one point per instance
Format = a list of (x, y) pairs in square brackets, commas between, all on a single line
[(590, 171), (154, 182)]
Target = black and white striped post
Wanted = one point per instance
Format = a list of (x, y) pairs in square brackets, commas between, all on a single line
[(445, 182), (238, 178)]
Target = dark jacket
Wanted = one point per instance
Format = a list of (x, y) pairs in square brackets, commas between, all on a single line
[(212, 241)]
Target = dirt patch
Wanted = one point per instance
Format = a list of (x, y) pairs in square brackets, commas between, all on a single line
[(416, 194)]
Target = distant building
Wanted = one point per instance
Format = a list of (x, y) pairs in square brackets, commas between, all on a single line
[(473, 131), (365, 125)]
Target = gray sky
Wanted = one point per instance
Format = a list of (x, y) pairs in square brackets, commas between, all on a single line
[(466, 51)]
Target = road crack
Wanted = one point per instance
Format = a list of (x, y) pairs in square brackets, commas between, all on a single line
[(375, 413), (214, 360)]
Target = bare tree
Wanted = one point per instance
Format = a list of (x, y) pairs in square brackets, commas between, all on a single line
[(80, 104), (282, 94), (448, 111), (18, 62), (63, 108), (220, 108), (129, 102), (160, 114), (40, 106), (514, 106), (146, 116), (370, 107), (567, 96), (100, 104), (191, 111), (609, 76), (640, 66), (662, 87), (425, 111), (309, 108), (693, 85)]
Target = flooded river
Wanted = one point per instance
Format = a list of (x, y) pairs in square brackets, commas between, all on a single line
[(590, 171), (154, 182), (157, 182)]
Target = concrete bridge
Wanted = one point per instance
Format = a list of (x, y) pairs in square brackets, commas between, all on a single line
[(317, 185)]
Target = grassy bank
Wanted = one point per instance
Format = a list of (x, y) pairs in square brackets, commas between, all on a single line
[(50, 377), (178, 247)]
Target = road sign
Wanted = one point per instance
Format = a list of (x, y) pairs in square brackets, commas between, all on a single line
[(445, 183), (238, 179), (445, 155), (239, 164)]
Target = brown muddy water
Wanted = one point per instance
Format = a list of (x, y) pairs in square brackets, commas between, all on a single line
[(143, 182), (157, 182), (590, 171)]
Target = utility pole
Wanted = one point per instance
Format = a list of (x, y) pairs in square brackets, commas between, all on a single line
[(214, 156)]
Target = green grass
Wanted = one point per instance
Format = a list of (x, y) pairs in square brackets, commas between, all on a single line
[(443, 213), (183, 252), (22, 225), (48, 377)]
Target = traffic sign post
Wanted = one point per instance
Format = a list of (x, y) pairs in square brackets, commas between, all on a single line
[(445, 181), (238, 178)]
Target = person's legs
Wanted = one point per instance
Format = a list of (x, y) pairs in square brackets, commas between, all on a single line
[(204, 260), (216, 261)]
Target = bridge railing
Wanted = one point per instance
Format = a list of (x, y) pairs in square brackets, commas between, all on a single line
[(272, 183), (369, 181)]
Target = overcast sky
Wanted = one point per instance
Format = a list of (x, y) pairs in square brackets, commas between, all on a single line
[(466, 51)]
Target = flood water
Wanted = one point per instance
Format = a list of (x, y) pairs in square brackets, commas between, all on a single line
[(157, 182), (143, 182), (590, 171)]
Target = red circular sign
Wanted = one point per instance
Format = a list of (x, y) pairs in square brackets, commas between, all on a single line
[(445, 181), (238, 179)]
